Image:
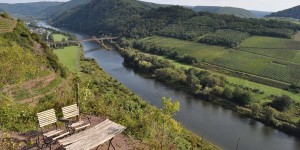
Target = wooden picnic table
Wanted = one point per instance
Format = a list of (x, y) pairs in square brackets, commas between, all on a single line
[(93, 137)]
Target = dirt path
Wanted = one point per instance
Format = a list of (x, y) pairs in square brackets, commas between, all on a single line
[(31, 83), (32, 100)]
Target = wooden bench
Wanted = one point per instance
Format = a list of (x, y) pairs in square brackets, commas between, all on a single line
[(72, 111), (93, 137), (47, 118)]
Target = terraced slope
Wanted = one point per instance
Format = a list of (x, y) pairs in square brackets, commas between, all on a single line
[(7, 25)]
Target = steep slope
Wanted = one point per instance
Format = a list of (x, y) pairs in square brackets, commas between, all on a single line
[(23, 58), (288, 13), (27, 8), (224, 10), (54, 11), (6, 24)]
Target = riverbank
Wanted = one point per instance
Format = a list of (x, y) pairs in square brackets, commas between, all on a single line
[(222, 126), (143, 121), (272, 118)]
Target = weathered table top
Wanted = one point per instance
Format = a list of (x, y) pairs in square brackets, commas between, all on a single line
[(92, 137)]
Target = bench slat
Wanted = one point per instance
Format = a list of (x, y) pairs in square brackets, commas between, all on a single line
[(76, 137), (70, 111), (97, 138), (46, 117)]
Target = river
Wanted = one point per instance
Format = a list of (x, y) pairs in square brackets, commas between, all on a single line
[(220, 126)]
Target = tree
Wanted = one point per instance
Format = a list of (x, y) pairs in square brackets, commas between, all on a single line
[(63, 40), (228, 93), (255, 108), (241, 96), (282, 103), (269, 113), (169, 109)]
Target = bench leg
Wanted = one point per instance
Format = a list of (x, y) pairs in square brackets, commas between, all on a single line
[(110, 143)]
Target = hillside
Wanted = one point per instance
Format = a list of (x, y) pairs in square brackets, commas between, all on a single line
[(54, 11), (132, 19), (260, 14), (6, 24), (27, 8), (288, 13), (239, 12)]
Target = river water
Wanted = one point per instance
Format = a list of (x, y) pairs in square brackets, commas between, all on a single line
[(220, 126)]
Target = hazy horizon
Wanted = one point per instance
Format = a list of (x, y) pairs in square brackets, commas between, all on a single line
[(260, 5)]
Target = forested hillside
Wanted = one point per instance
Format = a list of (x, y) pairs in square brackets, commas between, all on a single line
[(288, 13), (239, 12), (32, 9), (134, 19), (54, 11)]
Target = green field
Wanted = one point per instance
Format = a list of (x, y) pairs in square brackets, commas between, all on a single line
[(268, 90), (59, 37), (278, 48), (259, 60), (68, 57)]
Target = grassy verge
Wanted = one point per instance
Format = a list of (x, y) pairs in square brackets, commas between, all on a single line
[(68, 56)]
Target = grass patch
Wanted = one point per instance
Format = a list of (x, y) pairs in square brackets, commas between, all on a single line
[(68, 57), (59, 37)]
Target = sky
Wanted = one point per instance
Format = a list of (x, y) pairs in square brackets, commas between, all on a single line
[(263, 5)]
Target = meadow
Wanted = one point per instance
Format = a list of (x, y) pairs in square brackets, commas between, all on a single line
[(68, 56), (59, 37), (254, 56)]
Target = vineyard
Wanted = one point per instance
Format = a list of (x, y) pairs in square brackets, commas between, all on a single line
[(7, 25), (265, 57), (227, 38)]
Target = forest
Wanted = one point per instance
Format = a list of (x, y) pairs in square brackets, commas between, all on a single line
[(133, 20)]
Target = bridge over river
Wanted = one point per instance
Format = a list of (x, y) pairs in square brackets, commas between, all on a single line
[(99, 40)]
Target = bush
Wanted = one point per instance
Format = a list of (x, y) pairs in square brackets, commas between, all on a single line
[(242, 97), (282, 103), (228, 93), (255, 108), (270, 113)]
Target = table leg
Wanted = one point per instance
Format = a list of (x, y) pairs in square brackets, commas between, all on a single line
[(110, 143)]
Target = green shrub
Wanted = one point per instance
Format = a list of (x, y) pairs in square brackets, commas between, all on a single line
[(282, 103), (269, 113), (241, 96)]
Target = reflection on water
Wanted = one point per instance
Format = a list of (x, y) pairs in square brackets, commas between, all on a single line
[(221, 126)]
